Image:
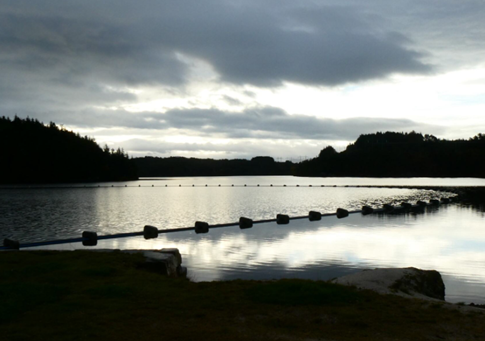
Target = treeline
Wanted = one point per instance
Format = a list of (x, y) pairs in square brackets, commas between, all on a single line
[(180, 166), (394, 154), (31, 152)]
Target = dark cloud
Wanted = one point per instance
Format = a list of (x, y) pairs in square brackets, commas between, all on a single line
[(252, 123), (68, 61), (269, 122), (84, 48), (261, 44)]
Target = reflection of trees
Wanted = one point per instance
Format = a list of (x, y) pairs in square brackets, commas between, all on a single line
[(476, 206), (473, 197), (401, 154), (34, 153)]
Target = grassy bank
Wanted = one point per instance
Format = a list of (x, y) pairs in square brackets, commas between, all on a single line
[(86, 295)]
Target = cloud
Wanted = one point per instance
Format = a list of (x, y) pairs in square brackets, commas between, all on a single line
[(244, 134), (235, 149), (269, 122), (253, 43), (257, 122), (186, 66)]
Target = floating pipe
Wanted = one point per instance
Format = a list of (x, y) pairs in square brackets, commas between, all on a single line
[(91, 238)]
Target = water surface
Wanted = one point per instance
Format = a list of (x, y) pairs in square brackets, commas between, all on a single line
[(450, 239)]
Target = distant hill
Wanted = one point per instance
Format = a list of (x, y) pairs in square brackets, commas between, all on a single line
[(31, 152), (180, 166), (394, 154)]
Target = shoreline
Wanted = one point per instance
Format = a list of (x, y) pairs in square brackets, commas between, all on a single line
[(109, 296)]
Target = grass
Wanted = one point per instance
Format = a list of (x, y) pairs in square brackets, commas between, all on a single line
[(86, 295)]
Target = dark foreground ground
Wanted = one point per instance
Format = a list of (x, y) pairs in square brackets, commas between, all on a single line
[(85, 295)]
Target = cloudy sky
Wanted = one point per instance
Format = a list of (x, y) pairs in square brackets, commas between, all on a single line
[(236, 79)]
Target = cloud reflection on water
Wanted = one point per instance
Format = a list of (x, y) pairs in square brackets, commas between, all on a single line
[(450, 240)]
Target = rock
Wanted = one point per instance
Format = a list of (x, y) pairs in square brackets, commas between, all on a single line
[(403, 281), (173, 251), (165, 261)]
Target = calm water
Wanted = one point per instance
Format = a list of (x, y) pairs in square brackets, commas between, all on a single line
[(450, 239)]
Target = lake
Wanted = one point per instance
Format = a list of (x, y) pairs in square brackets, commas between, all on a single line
[(450, 238)]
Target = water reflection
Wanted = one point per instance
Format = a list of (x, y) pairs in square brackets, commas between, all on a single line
[(43, 214), (450, 239)]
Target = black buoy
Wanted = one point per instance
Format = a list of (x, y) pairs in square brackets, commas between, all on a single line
[(201, 227), (245, 223), (406, 205), (314, 216), (150, 232), (282, 219), (367, 210), (342, 213), (388, 207), (11, 244), (91, 238)]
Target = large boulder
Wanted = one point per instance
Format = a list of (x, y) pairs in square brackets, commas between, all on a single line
[(409, 282), (165, 261)]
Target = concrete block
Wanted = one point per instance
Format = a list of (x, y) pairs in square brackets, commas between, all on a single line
[(173, 251), (164, 263)]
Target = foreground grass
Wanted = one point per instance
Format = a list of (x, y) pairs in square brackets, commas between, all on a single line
[(86, 295)]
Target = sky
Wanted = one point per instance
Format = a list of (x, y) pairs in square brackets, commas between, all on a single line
[(237, 79)]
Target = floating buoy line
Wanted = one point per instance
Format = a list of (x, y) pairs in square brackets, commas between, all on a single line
[(212, 185), (90, 238)]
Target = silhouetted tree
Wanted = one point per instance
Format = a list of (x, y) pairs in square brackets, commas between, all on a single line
[(32, 152), (394, 154)]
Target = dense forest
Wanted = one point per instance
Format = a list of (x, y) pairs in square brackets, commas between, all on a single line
[(180, 166), (31, 152), (393, 154)]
